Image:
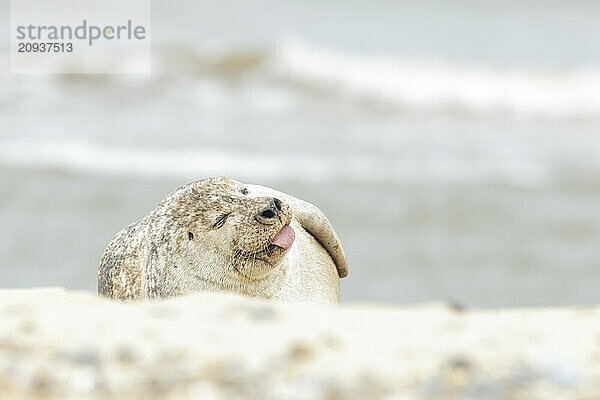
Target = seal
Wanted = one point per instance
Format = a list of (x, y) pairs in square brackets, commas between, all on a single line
[(218, 234)]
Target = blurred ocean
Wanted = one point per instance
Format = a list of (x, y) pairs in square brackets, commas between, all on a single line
[(455, 145)]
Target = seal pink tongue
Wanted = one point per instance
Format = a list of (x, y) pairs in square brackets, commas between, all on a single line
[(284, 238)]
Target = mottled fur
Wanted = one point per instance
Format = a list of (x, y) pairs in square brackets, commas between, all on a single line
[(206, 236)]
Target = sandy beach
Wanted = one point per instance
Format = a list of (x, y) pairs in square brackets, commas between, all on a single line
[(56, 344)]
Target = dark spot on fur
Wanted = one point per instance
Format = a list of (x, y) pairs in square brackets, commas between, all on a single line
[(190, 236)]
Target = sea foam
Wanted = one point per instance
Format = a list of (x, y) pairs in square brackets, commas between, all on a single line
[(88, 158)]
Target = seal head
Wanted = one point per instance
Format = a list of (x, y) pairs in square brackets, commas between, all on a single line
[(214, 234), (222, 222)]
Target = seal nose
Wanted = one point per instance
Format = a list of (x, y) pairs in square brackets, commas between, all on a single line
[(270, 211)]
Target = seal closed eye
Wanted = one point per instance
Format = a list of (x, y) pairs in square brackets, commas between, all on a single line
[(220, 221), (219, 235)]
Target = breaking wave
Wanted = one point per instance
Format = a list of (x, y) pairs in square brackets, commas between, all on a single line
[(426, 85), (383, 81), (88, 158)]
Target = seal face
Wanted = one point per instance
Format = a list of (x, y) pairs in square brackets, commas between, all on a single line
[(223, 221), (213, 234)]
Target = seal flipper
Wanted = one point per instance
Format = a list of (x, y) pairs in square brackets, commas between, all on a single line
[(316, 223), (312, 219)]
